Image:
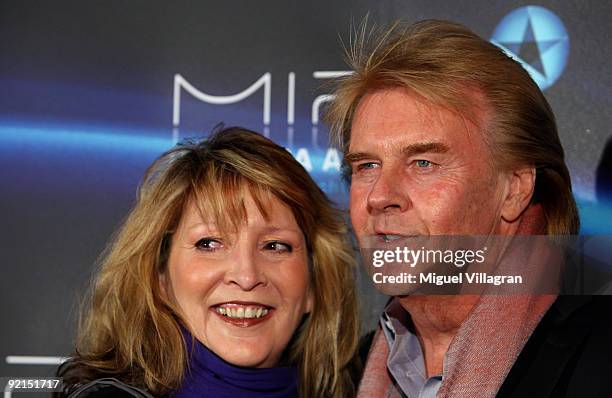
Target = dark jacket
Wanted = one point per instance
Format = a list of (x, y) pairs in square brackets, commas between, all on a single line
[(108, 388), (568, 355)]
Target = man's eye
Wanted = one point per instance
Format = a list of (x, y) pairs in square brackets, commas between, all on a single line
[(422, 163), (278, 247), (208, 244), (365, 166)]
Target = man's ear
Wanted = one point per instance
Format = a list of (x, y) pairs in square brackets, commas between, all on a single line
[(520, 187)]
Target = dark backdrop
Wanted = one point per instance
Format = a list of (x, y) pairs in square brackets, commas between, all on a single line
[(87, 99)]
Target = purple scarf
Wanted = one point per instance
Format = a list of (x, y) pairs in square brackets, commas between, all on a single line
[(210, 376)]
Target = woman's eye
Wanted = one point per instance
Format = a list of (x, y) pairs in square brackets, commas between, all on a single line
[(278, 247), (208, 244)]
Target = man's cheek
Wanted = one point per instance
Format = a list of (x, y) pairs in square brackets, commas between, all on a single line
[(358, 207), (440, 197), (443, 205), (359, 195)]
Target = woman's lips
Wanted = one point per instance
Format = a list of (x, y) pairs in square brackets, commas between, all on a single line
[(242, 314)]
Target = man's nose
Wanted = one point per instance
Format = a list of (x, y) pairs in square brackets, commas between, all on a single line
[(387, 194), (245, 270)]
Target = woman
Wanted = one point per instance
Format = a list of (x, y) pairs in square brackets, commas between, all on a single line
[(230, 277)]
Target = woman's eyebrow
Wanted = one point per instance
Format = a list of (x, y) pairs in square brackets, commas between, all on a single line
[(279, 228), (200, 224)]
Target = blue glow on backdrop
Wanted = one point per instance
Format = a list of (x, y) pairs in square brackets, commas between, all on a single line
[(53, 140), (70, 138)]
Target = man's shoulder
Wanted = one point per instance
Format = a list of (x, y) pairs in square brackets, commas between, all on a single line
[(579, 314), (579, 322), (568, 353)]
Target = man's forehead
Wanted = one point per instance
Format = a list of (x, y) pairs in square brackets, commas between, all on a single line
[(393, 105), (396, 118)]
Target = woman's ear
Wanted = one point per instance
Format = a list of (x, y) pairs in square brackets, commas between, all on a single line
[(519, 190), (309, 301), (162, 285)]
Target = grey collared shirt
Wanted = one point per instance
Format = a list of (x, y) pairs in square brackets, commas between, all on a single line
[(406, 362)]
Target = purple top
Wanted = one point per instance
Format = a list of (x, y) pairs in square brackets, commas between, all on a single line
[(210, 376)]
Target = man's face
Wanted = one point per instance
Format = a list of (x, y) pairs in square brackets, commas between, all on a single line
[(419, 169)]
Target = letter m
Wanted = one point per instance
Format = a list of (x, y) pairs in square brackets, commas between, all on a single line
[(181, 83)]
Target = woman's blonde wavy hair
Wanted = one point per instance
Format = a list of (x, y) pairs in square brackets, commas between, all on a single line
[(130, 332)]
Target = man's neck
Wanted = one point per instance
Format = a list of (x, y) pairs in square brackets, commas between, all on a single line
[(436, 320)]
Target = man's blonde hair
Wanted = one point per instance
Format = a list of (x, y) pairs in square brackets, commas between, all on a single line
[(442, 62)]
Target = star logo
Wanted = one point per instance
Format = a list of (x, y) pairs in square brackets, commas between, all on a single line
[(536, 38)]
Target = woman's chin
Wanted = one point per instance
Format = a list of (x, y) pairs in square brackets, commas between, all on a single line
[(248, 357), (251, 347)]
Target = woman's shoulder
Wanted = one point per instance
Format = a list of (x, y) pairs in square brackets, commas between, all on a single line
[(106, 388)]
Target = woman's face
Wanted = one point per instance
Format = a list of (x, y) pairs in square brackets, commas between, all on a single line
[(243, 295)]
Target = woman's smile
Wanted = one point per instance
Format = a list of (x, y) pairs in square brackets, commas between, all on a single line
[(243, 314)]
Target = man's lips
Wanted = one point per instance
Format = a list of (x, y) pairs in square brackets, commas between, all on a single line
[(385, 228), (243, 313), (387, 236)]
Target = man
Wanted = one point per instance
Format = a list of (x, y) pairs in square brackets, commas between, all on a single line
[(446, 135)]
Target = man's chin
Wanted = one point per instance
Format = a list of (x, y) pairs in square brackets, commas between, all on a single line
[(393, 289)]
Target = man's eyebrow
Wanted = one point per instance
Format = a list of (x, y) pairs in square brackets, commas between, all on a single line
[(424, 147), (357, 156), (409, 150)]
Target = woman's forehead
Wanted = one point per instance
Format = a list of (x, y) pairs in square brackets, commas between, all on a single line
[(246, 208)]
